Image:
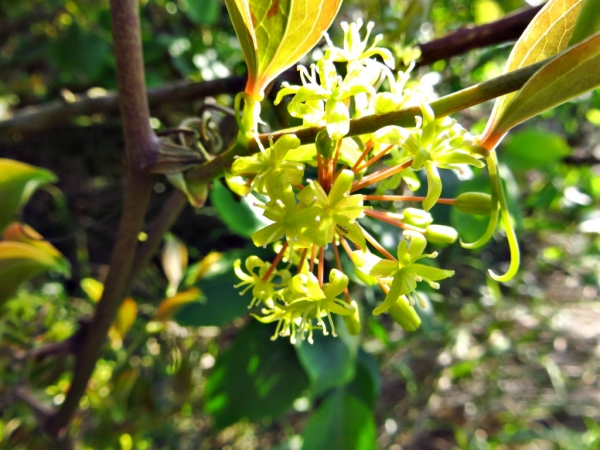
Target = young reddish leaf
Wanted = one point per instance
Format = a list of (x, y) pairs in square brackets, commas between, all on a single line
[(588, 22), (274, 34), (18, 181), (170, 306), (18, 232), (239, 11), (570, 74), (20, 262), (547, 34)]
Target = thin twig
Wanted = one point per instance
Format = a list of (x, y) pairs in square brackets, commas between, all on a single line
[(461, 41), (141, 146)]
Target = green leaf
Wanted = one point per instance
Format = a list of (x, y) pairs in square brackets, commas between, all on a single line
[(570, 74), (530, 149), (241, 217), (203, 12), (254, 378), (18, 181), (366, 384), (276, 33), (329, 362), (20, 262), (588, 22), (547, 34), (342, 423), (220, 301)]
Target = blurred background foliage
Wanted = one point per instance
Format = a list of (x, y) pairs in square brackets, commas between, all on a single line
[(492, 367)]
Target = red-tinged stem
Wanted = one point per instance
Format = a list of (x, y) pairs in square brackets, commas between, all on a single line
[(275, 261), (368, 146), (299, 186), (302, 257), (376, 158), (321, 265), (326, 173), (405, 198), (320, 169), (345, 245), (386, 219), (313, 255), (384, 286), (391, 219), (377, 245), (379, 175)]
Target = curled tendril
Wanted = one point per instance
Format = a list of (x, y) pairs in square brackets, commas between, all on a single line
[(492, 163)]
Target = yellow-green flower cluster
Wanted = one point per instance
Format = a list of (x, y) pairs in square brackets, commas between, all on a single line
[(315, 195)]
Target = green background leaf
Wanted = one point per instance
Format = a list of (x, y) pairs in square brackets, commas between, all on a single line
[(328, 362), (241, 216), (254, 378), (531, 149), (342, 422)]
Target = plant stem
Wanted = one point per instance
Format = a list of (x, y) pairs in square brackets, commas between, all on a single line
[(163, 223), (141, 147), (450, 104)]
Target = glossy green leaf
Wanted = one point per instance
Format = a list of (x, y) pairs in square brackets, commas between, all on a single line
[(366, 384), (329, 362), (18, 181), (275, 33), (220, 302), (20, 262), (203, 12), (240, 216), (342, 422), (570, 74), (588, 22), (254, 378), (547, 34), (531, 149)]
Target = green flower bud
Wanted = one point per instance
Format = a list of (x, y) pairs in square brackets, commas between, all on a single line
[(196, 192), (417, 217), (353, 322), (476, 203), (405, 315), (325, 145), (440, 234)]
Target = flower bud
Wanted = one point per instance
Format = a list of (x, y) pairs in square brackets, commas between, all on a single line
[(353, 322), (417, 217), (325, 145), (476, 203), (386, 102), (196, 193), (405, 315), (440, 234)]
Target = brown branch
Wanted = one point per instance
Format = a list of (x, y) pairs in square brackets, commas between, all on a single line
[(59, 111), (442, 107), (164, 221), (456, 43), (141, 146), (461, 41)]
